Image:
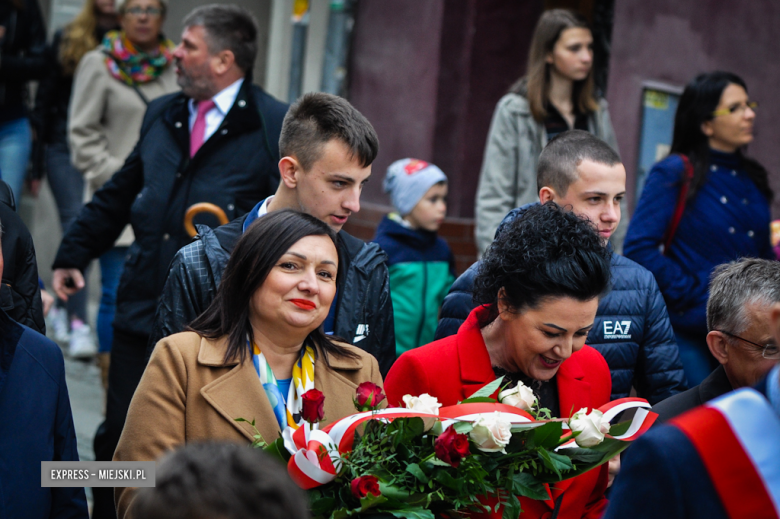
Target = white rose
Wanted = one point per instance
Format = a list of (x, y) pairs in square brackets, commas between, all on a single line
[(592, 427), (492, 432), (424, 403), (520, 396)]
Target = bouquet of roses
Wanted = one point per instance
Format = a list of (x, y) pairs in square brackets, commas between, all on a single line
[(424, 460)]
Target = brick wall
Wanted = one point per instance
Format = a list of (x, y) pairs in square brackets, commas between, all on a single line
[(457, 232)]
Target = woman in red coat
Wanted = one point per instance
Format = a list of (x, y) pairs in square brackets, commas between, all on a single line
[(538, 289)]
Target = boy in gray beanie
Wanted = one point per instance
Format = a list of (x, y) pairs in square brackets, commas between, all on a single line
[(420, 262)]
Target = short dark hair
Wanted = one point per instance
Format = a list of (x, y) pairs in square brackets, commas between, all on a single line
[(228, 27), (317, 118), (255, 254), (220, 480), (559, 160), (545, 252)]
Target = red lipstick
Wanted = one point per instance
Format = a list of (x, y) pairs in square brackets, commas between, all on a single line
[(549, 363), (303, 304)]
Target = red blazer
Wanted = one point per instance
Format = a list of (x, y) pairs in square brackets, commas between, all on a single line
[(453, 368)]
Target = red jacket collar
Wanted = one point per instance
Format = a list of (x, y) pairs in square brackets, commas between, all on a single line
[(476, 370)]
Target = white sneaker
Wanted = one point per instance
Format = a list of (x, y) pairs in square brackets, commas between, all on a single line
[(58, 324), (82, 344)]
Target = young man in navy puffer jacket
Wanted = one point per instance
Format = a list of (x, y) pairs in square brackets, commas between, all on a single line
[(631, 329)]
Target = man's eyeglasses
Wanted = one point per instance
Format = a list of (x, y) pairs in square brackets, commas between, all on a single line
[(151, 12), (768, 351), (736, 109)]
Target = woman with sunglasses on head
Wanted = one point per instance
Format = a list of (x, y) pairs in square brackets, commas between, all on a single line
[(706, 204), (555, 95)]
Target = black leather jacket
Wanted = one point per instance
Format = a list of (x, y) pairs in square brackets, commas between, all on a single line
[(20, 295)]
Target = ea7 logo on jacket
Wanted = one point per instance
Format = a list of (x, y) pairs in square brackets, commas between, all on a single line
[(361, 333), (617, 329)]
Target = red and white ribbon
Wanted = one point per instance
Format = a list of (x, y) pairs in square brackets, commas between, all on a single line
[(316, 454), (641, 421), (315, 459)]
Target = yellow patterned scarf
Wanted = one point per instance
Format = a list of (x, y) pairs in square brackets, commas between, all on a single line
[(287, 410)]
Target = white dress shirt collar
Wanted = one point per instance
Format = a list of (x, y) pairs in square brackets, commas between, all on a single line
[(223, 102)]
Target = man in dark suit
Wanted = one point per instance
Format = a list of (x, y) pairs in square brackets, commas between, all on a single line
[(216, 142), (718, 461), (742, 294)]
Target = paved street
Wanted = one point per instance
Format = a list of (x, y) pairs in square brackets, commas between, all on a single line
[(86, 400)]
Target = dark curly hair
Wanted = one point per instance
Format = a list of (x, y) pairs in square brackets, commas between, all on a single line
[(544, 252)]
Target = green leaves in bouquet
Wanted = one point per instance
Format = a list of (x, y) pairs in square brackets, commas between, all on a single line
[(412, 513), (484, 394), (278, 450), (416, 484), (257, 439), (511, 508), (587, 459), (404, 431), (415, 470), (321, 505), (524, 484), (558, 463), (619, 429), (548, 436)]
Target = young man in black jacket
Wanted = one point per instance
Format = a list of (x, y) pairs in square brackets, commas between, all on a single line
[(213, 142), (327, 149)]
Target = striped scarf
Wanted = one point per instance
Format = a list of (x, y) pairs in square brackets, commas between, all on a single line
[(136, 67), (287, 414)]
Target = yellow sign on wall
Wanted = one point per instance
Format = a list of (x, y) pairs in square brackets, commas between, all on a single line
[(300, 8), (656, 99)]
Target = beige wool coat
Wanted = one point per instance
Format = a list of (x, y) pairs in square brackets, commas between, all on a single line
[(104, 121), (188, 394)]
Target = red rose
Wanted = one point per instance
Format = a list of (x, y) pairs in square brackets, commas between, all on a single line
[(313, 406), (451, 447), (365, 485), (369, 395)]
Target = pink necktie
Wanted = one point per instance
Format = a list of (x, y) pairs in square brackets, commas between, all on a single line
[(198, 133)]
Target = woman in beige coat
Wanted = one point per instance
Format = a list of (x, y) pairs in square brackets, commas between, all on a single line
[(253, 353), (111, 89)]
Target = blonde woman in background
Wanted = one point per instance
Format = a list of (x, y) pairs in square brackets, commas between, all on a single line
[(555, 95), (52, 154), (112, 86)]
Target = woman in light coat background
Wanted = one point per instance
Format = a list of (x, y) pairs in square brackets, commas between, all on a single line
[(112, 86), (556, 94)]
